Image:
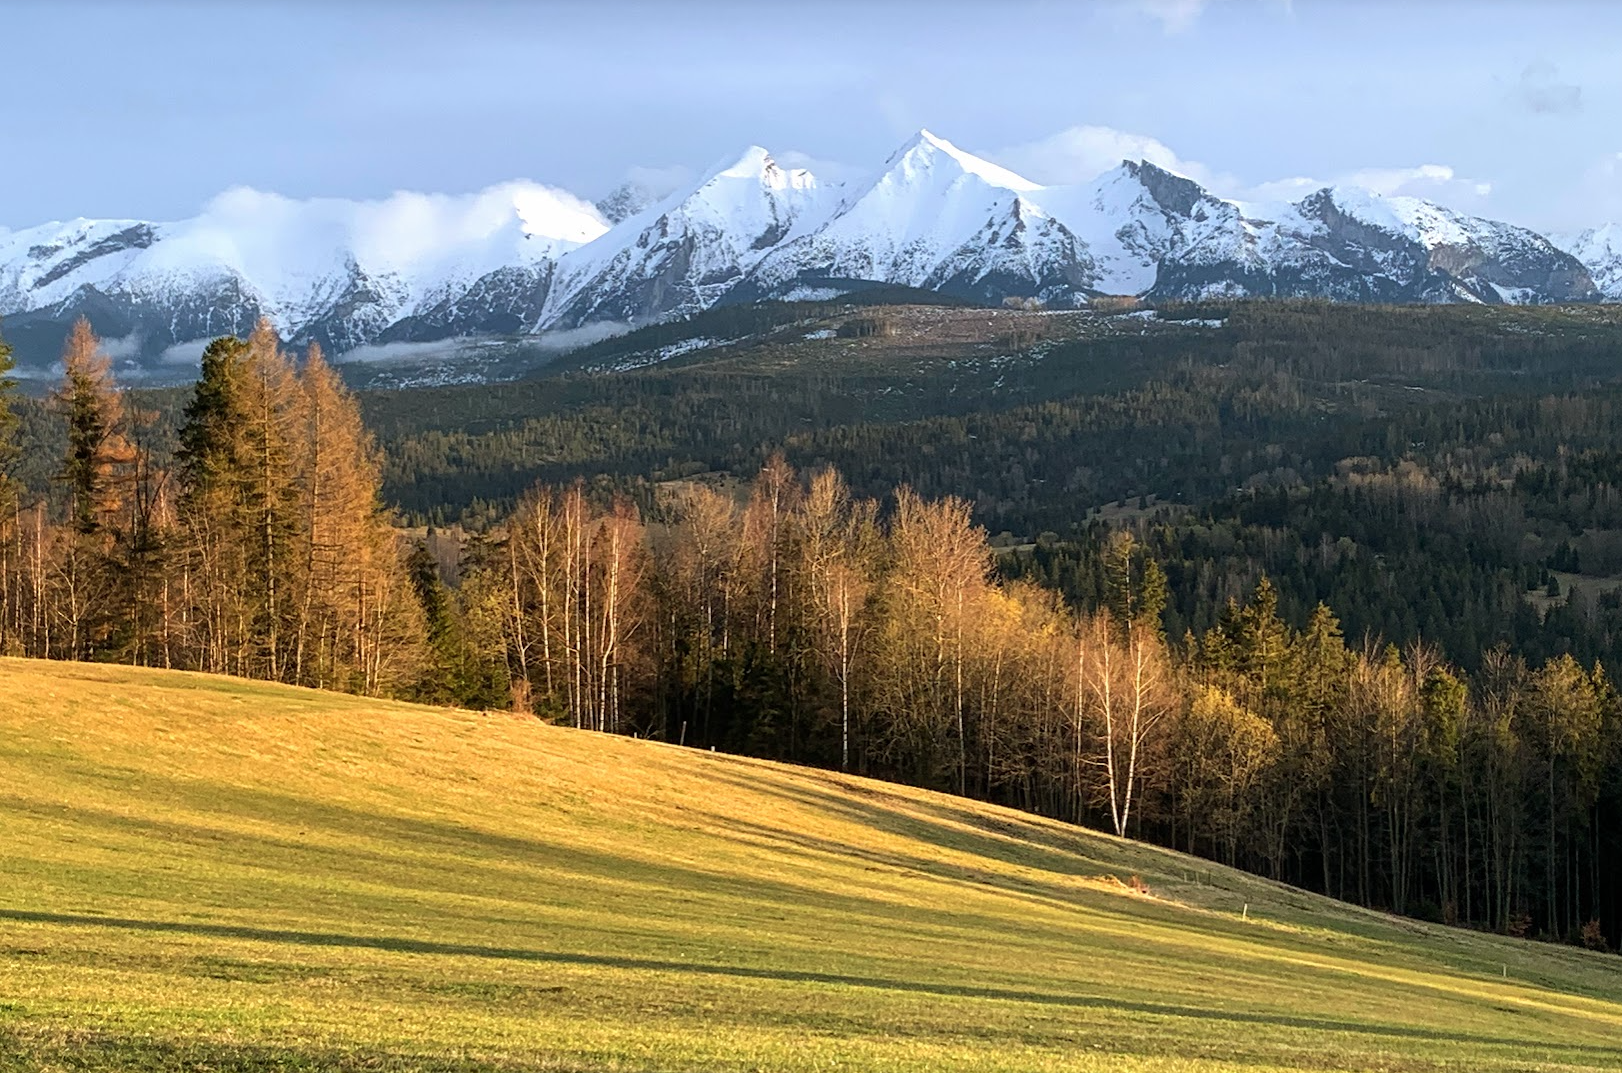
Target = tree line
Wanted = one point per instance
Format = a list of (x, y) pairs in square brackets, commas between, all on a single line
[(790, 617), (1282, 392), (794, 620), (258, 548)]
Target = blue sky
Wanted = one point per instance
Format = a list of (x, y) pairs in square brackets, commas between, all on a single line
[(147, 110)]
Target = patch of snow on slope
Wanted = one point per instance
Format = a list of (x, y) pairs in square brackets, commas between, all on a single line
[(1600, 250), (1429, 225), (35, 260), (813, 294), (645, 358)]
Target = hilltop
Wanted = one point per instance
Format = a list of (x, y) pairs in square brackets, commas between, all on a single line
[(207, 873)]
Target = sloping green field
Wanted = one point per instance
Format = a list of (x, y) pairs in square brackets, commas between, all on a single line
[(200, 873)]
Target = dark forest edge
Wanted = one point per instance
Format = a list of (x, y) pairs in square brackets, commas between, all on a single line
[(1149, 683)]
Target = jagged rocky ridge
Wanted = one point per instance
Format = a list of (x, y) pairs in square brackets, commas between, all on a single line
[(522, 258)]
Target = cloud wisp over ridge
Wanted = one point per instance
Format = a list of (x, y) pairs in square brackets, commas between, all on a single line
[(1080, 153)]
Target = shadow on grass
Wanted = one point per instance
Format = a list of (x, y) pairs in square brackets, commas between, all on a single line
[(107, 1052), (1038, 846), (439, 857), (1052, 894), (403, 945), (1010, 840)]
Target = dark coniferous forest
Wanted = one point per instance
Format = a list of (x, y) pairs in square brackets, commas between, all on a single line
[(1327, 592)]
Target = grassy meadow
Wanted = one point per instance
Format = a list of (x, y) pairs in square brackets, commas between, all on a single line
[(207, 874)]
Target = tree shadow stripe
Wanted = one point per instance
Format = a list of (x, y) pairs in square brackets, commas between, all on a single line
[(401, 944)]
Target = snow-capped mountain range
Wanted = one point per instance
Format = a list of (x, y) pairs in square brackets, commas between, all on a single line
[(522, 258)]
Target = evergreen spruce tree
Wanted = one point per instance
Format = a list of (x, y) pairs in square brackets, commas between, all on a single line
[(210, 454), (453, 670), (97, 470), (212, 466), (99, 454)]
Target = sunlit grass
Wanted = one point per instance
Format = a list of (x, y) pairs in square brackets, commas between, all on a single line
[(208, 874)]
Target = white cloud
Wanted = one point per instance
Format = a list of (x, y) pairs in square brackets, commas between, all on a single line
[(1080, 153), (459, 348), (1174, 16), (188, 353), (826, 171), (575, 338), (1179, 16), (1433, 182), (383, 352), (660, 182), (120, 347), (268, 236), (1395, 181)]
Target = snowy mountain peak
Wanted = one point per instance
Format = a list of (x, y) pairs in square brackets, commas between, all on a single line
[(1607, 237), (680, 255), (523, 257), (1600, 249), (926, 153), (757, 163), (1415, 219), (1172, 192), (937, 217), (626, 200), (756, 166), (752, 192)]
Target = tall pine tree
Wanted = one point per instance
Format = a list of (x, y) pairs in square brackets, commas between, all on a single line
[(270, 499), (212, 462), (97, 470), (358, 622), (99, 455)]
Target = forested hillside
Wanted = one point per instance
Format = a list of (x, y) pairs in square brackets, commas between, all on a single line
[(1326, 592)]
